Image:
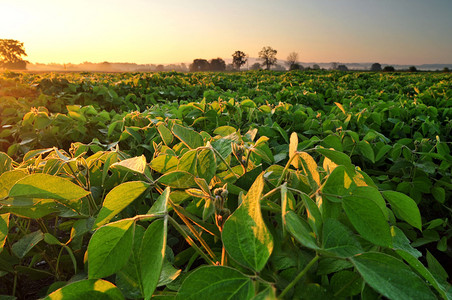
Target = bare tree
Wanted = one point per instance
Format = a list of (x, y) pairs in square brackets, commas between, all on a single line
[(268, 56), (292, 60)]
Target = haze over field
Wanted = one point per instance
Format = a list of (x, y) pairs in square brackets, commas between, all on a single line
[(405, 32)]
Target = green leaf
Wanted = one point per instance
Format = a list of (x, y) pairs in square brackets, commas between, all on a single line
[(5, 162), (165, 134), (245, 235), (26, 243), (87, 289), (152, 254), (134, 164), (189, 137), (43, 186), (401, 242), (314, 215), (178, 179), (206, 164), (337, 184), (339, 240), (216, 282), (109, 248), (404, 208), (164, 163), (7, 181), (161, 204), (391, 277), (366, 150), (423, 271), (338, 158), (439, 194), (4, 225), (118, 199), (368, 219), (187, 162), (300, 231)]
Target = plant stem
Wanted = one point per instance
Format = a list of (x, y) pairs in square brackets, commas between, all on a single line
[(299, 276)]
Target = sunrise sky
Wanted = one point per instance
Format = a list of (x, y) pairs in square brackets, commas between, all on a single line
[(173, 31)]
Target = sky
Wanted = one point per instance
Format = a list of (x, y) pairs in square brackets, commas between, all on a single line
[(173, 31)]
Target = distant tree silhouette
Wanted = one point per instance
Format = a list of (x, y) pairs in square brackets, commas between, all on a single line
[(334, 66), (412, 69), (160, 68), (315, 67), (268, 57), (376, 67), (446, 70), (389, 69), (199, 65), (11, 52), (217, 64), (256, 66), (296, 66), (239, 58), (292, 60), (342, 68)]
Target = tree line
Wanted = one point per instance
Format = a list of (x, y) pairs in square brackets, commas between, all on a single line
[(12, 51)]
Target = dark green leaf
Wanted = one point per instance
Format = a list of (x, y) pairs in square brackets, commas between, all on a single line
[(26, 243), (178, 179), (300, 230), (404, 208), (189, 137), (391, 277), (216, 282)]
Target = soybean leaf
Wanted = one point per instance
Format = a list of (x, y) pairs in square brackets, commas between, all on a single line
[(43, 186), (109, 248), (161, 204), (206, 164), (401, 242), (338, 158), (310, 169), (300, 231), (314, 215), (391, 277), (404, 208), (4, 225), (339, 240), (368, 219), (118, 199), (189, 137), (26, 243), (366, 150), (87, 289), (165, 134), (164, 163), (5, 162), (218, 282), (245, 235), (7, 181), (187, 162), (134, 164), (178, 179), (128, 279), (423, 271), (152, 253)]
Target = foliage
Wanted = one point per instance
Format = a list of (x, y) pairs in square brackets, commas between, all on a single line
[(11, 52), (239, 58), (268, 57), (254, 185), (217, 65)]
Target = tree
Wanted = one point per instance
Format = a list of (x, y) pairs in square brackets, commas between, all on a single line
[(268, 57), (256, 66), (11, 52), (342, 68), (389, 69), (217, 64), (292, 61), (376, 67), (199, 65), (412, 69), (239, 58), (315, 67)]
